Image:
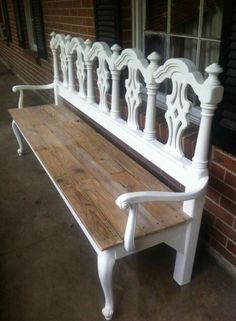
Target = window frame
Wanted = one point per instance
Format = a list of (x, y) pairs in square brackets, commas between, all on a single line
[(5, 23), (29, 25), (2, 23), (138, 41)]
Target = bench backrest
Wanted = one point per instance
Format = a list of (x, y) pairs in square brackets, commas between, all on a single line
[(75, 58)]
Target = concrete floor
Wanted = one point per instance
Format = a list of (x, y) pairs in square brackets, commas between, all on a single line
[(48, 268)]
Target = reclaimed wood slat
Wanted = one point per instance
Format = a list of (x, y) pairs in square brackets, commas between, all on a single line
[(91, 173)]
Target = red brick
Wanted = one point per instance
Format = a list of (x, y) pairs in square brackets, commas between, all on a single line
[(213, 194), (225, 160), (223, 188), (189, 143), (216, 170), (231, 247), (218, 211), (217, 235), (59, 16), (226, 229), (223, 251), (230, 179), (228, 205)]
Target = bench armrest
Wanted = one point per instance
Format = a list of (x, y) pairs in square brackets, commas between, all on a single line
[(131, 200), (21, 88)]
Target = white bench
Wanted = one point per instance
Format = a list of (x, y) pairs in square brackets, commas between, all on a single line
[(96, 179)]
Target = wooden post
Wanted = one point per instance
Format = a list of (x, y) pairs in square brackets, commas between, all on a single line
[(89, 66), (150, 120), (56, 77), (210, 96), (71, 85), (115, 74)]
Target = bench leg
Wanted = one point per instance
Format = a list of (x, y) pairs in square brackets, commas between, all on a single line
[(106, 261), (184, 260), (18, 138)]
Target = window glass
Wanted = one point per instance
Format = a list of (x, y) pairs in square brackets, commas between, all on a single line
[(212, 19), (156, 42), (183, 28), (156, 13), (209, 54), (183, 48), (185, 17)]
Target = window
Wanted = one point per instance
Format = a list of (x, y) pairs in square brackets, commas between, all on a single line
[(179, 28), (30, 26), (224, 129), (108, 21)]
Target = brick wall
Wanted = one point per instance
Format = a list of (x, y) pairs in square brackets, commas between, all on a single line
[(219, 222), (77, 18), (218, 228), (62, 16)]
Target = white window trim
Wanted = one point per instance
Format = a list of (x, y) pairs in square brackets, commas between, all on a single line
[(138, 38), (2, 24), (138, 23), (29, 25)]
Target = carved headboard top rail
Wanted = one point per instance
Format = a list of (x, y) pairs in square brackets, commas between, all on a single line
[(76, 59)]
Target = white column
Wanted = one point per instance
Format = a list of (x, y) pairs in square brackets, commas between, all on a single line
[(89, 66), (210, 95), (150, 121), (115, 98), (55, 65), (71, 85), (115, 75), (57, 99), (200, 158)]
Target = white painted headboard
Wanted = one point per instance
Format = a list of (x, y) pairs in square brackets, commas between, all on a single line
[(74, 57)]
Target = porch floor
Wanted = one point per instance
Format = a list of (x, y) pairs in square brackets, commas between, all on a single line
[(48, 268)]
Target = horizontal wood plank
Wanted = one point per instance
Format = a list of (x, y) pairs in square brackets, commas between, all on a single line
[(91, 173)]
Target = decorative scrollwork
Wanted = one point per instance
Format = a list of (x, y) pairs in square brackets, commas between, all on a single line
[(77, 45), (133, 96), (182, 73), (137, 64), (81, 73), (176, 115), (103, 54), (59, 40), (103, 82)]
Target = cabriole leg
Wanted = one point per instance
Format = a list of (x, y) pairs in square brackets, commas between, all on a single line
[(106, 261), (18, 138)]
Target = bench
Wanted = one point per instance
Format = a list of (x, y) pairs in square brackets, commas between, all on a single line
[(99, 183)]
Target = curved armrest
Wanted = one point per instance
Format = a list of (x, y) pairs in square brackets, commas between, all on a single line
[(20, 88), (32, 87), (131, 200)]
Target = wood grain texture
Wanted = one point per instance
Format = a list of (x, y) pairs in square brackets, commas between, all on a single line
[(91, 173)]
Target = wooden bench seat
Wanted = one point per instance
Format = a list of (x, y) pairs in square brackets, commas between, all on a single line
[(91, 173)]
